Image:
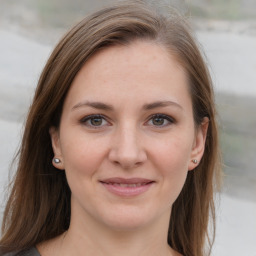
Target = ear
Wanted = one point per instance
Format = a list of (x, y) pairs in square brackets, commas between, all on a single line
[(199, 144), (55, 139)]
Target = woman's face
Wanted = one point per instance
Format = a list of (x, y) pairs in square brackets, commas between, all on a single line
[(127, 136)]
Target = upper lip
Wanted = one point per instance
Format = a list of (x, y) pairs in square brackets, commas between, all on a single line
[(126, 181)]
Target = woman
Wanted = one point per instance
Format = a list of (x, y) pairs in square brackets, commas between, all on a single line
[(120, 150)]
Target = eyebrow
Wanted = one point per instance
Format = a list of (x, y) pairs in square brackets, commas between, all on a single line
[(103, 106), (159, 104), (97, 105)]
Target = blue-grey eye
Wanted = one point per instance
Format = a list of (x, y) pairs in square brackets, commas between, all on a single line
[(96, 121), (160, 120)]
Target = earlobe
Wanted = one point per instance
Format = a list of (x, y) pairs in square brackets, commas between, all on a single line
[(199, 144), (58, 159)]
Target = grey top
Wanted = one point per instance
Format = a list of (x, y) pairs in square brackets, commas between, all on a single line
[(29, 252)]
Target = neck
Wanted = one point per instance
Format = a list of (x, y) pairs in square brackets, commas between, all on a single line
[(87, 235), (96, 239), (115, 245)]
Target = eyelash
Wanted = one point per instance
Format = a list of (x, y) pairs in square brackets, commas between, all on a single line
[(167, 118), (90, 118)]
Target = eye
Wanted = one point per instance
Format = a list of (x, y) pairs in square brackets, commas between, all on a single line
[(160, 120), (94, 121)]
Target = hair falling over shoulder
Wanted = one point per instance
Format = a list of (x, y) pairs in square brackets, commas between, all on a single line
[(38, 207)]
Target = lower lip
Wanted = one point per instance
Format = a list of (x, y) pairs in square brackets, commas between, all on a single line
[(127, 191)]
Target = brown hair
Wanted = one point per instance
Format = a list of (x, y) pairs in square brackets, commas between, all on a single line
[(39, 204)]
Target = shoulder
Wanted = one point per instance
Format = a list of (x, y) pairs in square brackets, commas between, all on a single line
[(29, 252)]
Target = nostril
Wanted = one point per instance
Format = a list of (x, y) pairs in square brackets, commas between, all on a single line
[(116, 162), (127, 165), (127, 154)]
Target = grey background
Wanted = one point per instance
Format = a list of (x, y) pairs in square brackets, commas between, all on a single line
[(226, 31)]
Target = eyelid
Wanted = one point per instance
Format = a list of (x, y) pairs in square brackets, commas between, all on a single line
[(170, 119), (83, 120), (88, 117)]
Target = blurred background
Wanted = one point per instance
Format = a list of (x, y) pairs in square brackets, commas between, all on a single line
[(226, 31)]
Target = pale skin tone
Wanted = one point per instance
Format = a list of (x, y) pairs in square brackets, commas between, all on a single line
[(128, 114)]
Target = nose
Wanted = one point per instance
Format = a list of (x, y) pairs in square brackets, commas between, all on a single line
[(127, 148)]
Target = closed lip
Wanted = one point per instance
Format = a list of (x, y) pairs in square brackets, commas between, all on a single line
[(127, 187), (119, 180)]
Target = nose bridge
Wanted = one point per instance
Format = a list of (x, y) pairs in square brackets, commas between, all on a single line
[(127, 149), (128, 141)]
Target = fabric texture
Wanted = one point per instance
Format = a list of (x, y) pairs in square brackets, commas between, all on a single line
[(30, 252)]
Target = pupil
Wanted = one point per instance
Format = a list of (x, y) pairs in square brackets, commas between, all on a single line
[(158, 121), (96, 121)]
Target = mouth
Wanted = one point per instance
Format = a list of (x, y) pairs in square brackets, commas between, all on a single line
[(127, 187)]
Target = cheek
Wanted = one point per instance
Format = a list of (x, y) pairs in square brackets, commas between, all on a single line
[(82, 159), (171, 160), (82, 154), (174, 154)]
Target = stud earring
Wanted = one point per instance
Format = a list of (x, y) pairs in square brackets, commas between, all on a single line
[(56, 160), (194, 161)]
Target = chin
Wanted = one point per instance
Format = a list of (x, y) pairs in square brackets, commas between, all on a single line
[(128, 219)]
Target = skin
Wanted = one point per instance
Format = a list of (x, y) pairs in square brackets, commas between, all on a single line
[(128, 141)]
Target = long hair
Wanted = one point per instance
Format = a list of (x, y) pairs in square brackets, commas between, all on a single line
[(38, 208)]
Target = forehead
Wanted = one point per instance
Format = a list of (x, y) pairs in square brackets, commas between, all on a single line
[(143, 55), (142, 69)]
